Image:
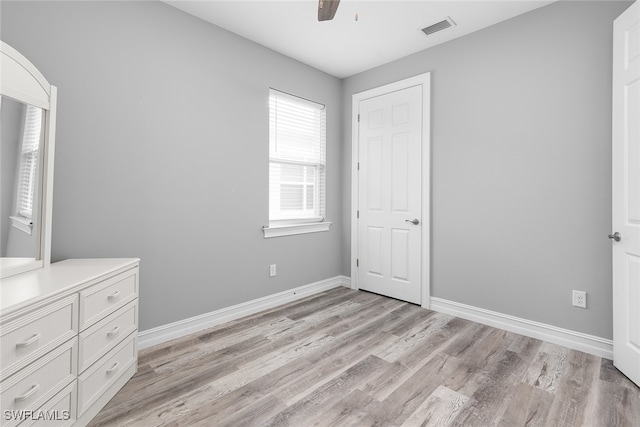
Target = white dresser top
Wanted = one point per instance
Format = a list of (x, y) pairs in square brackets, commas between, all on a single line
[(57, 280)]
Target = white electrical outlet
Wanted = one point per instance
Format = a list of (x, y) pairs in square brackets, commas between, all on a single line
[(580, 299), (272, 270)]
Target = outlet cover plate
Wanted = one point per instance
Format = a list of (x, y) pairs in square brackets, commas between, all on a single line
[(580, 299)]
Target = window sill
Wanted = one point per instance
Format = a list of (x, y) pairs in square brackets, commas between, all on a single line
[(21, 223), (289, 230)]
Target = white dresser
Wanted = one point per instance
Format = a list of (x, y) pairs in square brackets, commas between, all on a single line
[(67, 340)]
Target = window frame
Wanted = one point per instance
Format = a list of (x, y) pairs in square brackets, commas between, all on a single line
[(284, 225)]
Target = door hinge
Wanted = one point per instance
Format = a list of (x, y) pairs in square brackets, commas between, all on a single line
[(358, 118), (357, 262), (357, 214), (358, 165)]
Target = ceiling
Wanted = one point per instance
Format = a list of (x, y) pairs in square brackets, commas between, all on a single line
[(385, 30)]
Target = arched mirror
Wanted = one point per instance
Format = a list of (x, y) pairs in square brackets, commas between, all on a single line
[(27, 138)]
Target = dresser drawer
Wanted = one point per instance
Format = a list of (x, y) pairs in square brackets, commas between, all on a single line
[(99, 377), (33, 335), (102, 299), (96, 341), (57, 412), (33, 386)]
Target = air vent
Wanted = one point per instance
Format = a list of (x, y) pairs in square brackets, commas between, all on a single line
[(438, 26)]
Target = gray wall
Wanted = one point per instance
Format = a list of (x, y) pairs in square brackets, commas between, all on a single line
[(162, 151), (521, 163)]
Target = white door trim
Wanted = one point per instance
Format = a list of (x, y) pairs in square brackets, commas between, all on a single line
[(423, 80)]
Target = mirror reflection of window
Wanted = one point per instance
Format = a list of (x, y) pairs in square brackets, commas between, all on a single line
[(26, 180), (29, 161)]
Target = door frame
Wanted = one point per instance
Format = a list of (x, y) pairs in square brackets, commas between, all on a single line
[(423, 80)]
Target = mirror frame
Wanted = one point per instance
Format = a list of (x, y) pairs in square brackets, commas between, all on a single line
[(21, 81)]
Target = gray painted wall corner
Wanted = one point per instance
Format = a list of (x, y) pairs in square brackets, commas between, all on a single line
[(521, 155), (162, 148)]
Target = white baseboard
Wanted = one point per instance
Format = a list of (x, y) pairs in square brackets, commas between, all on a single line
[(184, 327), (575, 340)]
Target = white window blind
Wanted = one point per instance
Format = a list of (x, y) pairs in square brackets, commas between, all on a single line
[(297, 156), (29, 154)]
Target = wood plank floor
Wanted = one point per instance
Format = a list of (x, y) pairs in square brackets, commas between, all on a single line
[(353, 358)]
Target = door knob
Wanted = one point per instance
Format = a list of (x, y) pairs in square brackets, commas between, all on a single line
[(615, 236), (413, 221)]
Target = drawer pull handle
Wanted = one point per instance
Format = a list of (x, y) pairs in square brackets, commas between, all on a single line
[(114, 331), (28, 342), (28, 394), (113, 368), (114, 295)]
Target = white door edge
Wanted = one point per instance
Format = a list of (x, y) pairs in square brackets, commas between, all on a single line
[(423, 80), (625, 184)]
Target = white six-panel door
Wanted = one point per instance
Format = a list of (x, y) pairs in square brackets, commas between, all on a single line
[(390, 194), (626, 193)]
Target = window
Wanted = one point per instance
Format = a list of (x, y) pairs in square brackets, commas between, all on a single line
[(28, 169), (297, 146)]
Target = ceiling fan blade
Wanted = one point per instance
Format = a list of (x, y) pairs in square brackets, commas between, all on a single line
[(327, 9)]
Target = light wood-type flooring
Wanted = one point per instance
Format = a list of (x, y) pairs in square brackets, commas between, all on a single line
[(352, 358)]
